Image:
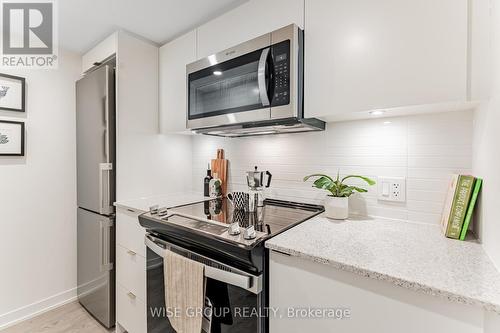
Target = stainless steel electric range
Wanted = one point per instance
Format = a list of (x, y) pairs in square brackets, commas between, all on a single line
[(230, 243)]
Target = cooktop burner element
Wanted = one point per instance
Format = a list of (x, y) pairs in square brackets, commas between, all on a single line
[(217, 219)]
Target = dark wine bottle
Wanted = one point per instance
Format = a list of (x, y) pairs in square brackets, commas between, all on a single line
[(206, 182)]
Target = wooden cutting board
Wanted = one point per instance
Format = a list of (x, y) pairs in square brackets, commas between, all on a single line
[(219, 167)]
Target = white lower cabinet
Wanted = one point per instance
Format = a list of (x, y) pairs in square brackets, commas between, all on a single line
[(129, 232), (360, 304), (130, 271), (131, 312)]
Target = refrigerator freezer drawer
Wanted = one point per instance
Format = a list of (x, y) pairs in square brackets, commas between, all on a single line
[(96, 255)]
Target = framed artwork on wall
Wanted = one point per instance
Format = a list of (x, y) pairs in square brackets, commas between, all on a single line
[(12, 93), (11, 138)]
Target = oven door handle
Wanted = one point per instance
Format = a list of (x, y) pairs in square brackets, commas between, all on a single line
[(247, 282), (261, 77)]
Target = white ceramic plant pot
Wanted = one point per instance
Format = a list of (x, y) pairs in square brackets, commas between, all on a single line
[(337, 208)]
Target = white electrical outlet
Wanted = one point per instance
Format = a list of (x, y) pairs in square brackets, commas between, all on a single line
[(392, 189)]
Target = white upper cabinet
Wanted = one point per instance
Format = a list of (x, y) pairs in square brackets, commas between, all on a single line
[(480, 53), (250, 20), (362, 55), (100, 52), (174, 57)]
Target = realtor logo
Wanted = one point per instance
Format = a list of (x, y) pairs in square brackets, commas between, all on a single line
[(28, 36)]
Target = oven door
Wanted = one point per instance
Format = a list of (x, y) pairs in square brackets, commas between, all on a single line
[(234, 300)]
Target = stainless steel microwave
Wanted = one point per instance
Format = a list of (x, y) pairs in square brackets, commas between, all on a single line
[(253, 88)]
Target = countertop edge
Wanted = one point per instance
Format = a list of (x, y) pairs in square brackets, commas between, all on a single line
[(141, 204), (124, 206), (399, 282)]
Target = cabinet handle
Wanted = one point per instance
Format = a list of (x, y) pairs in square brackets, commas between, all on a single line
[(132, 253), (104, 187), (131, 295)]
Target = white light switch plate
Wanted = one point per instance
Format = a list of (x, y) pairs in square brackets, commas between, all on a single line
[(392, 189)]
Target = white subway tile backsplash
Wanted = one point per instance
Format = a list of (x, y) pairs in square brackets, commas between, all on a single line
[(425, 184), (461, 162), (440, 150), (425, 149), (434, 207), (435, 173), (427, 196), (390, 150), (424, 217)]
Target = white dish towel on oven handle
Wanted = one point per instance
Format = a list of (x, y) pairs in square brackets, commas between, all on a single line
[(184, 292)]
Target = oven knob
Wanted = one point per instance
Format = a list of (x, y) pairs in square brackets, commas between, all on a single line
[(153, 209), (249, 233), (234, 229), (162, 212)]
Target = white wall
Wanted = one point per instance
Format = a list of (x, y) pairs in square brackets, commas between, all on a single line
[(38, 196), (38, 192), (486, 149), (426, 149)]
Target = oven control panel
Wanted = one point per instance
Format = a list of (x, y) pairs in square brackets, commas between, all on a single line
[(281, 72)]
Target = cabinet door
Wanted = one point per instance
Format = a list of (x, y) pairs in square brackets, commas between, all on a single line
[(352, 303), (174, 57), (131, 311), (129, 233), (99, 53), (363, 55), (250, 20)]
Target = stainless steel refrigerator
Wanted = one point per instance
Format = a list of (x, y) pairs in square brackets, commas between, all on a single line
[(95, 127)]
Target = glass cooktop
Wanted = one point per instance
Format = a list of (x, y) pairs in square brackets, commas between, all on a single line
[(214, 217)]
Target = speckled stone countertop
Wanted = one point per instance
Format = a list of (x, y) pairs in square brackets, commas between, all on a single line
[(409, 255)]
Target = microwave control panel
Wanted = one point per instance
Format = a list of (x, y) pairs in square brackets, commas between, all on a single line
[(281, 61)]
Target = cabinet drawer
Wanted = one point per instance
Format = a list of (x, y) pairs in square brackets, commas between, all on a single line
[(131, 271), (129, 232), (130, 311)]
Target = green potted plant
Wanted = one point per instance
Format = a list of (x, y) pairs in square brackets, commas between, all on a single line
[(337, 204)]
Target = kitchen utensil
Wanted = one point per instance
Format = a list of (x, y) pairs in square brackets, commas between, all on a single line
[(219, 166), (255, 181), (240, 217), (253, 199), (239, 200), (255, 178)]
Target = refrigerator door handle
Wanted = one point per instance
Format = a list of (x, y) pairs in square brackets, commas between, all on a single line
[(104, 188), (105, 144), (104, 245), (106, 123)]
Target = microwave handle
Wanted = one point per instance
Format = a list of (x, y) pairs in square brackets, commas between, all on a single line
[(261, 76)]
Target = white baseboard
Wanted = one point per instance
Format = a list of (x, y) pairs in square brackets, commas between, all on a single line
[(32, 310)]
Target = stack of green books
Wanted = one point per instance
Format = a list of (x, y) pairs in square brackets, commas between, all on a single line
[(459, 206)]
